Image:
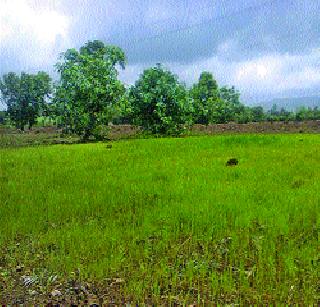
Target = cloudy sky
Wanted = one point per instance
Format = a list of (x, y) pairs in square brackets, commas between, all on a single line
[(266, 48)]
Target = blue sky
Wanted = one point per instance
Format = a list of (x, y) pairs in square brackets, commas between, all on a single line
[(266, 48)]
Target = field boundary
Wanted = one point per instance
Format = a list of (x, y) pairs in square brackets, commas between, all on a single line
[(312, 126)]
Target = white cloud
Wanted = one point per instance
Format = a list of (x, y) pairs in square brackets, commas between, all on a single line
[(272, 74), (132, 73), (18, 17), (279, 72)]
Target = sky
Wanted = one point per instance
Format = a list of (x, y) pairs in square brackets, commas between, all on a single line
[(265, 48)]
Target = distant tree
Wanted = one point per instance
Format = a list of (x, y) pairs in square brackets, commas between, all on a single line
[(233, 109), (25, 96), (305, 113), (243, 115), (89, 91), (221, 112), (205, 94), (231, 96), (3, 115), (272, 114), (274, 110), (285, 115), (276, 114), (258, 114), (316, 113), (217, 105), (159, 102)]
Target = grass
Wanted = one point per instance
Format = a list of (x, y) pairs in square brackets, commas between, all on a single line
[(164, 220)]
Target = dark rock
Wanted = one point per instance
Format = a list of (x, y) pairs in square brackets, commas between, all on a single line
[(19, 268), (297, 184), (232, 162)]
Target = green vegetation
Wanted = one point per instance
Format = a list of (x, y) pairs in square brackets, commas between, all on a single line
[(89, 90), (198, 220), (160, 104), (205, 94), (89, 95), (25, 96), (166, 219)]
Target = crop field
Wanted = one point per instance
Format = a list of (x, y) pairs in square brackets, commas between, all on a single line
[(162, 221)]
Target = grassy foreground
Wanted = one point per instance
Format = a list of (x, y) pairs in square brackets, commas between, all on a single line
[(162, 221)]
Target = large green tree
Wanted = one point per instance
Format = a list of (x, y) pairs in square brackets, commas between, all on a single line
[(159, 102), (89, 91), (216, 105), (205, 94), (25, 96)]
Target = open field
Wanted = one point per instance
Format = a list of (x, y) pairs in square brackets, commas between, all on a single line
[(162, 221)]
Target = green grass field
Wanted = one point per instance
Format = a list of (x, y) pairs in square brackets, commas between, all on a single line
[(165, 220)]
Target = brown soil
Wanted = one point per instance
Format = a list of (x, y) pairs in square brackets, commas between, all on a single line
[(123, 131), (263, 127)]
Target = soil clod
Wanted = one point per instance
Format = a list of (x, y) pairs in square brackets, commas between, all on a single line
[(232, 162)]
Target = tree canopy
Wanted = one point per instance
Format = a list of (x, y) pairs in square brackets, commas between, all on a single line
[(89, 95), (160, 103), (25, 96), (205, 94), (89, 89)]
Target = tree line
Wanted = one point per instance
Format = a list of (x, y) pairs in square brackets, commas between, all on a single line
[(89, 95)]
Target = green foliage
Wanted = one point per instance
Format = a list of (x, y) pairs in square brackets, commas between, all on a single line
[(124, 110), (89, 96), (274, 114), (3, 117), (25, 96), (160, 103), (244, 115), (217, 106), (307, 114), (258, 114), (221, 111), (230, 95), (89, 91), (229, 108), (236, 110), (205, 95)]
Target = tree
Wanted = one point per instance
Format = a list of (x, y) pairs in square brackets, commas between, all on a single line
[(304, 113), (257, 114), (124, 114), (25, 96), (204, 94), (230, 108), (316, 113), (89, 90), (243, 115), (221, 111), (273, 113), (285, 115), (159, 102), (3, 115), (232, 97)]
